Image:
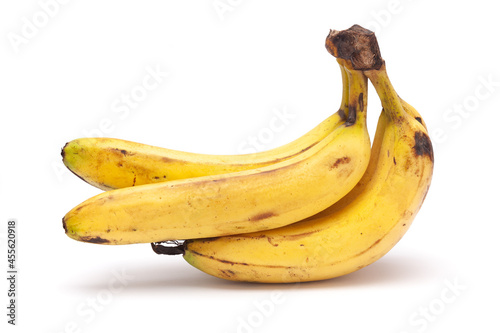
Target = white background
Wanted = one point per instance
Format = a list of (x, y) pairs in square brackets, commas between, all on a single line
[(229, 71)]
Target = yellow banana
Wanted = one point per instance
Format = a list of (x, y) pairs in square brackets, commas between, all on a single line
[(109, 163), (351, 234), (413, 112), (246, 201)]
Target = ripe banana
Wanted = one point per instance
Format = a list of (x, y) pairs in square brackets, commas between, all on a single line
[(349, 235), (246, 201), (413, 112), (109, 163)]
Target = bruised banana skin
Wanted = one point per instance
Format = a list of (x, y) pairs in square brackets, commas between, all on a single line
[(349, 235), (108, 163), (239, 202)]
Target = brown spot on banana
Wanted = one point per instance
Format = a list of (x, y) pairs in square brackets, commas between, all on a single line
[(339, 161), (361, 102), (270, 242), (122, 151), (261, 216), (423, 145), (95, 240), (353, 111), (351, 117), (168, 160), (227, 273)]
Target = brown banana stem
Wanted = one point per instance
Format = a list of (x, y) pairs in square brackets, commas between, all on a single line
[(357, 45)]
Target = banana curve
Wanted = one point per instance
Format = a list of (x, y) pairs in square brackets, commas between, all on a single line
[(109, 163)]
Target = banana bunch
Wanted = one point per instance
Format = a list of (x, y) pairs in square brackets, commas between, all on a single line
[(322, 206)]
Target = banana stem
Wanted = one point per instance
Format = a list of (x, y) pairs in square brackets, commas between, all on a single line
[(358, 89), (344, 104), (385, 90)]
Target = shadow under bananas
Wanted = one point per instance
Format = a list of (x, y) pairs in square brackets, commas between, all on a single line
[(163, 275)]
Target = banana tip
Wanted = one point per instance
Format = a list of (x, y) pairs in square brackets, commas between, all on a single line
[(63, 150), (178, 248)]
